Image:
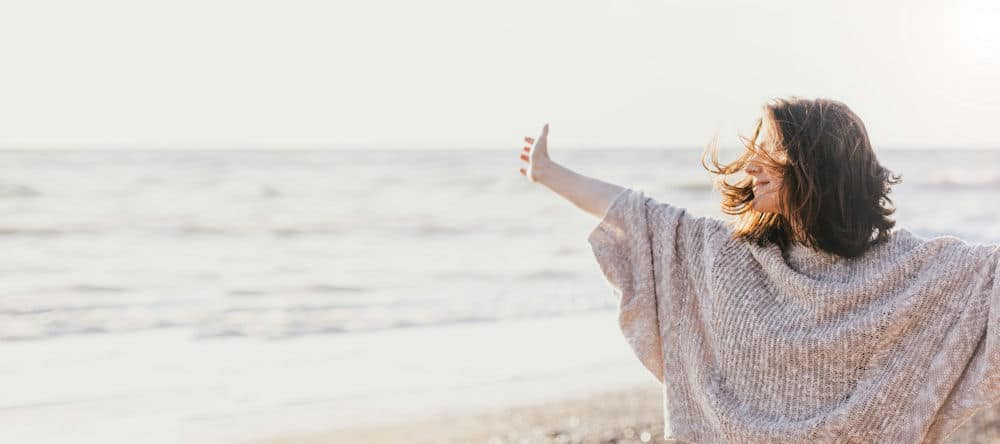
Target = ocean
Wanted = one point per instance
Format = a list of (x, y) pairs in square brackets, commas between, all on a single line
[(186, 258), (280, 244)]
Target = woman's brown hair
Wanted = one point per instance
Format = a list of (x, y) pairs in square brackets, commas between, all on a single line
[(834, 195)]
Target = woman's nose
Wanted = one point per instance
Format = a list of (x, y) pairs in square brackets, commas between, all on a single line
[(752, 167)]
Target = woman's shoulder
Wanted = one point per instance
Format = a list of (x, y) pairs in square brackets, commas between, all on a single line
[(905, 239), (947, 255), (895, 246)]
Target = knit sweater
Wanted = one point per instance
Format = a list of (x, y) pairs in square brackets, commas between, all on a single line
[(756, 344)]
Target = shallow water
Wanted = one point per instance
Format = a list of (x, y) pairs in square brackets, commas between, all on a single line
[(280, 244)]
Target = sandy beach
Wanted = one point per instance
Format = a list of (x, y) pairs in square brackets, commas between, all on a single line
[(631, 415)]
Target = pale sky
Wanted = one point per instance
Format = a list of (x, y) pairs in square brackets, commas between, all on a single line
[(481, 74)]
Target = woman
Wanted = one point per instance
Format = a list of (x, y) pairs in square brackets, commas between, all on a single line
[(807, 319)]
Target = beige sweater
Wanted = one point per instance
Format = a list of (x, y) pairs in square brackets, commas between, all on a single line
[(901, 345)]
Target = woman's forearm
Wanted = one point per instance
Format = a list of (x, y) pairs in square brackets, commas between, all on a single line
[(589, 194)]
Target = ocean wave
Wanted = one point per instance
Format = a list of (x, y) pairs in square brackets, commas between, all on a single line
[(247, 293), (32, 311), (78, 288), (319, 307), (550, 275), (320, 230), (90, 288), (298, 323), (470, 274), (304, 308), (203, 230), (303, 330), (297, 330), (330, 288), (46, 232), (269, 192), (13, 190), (220, 328), (52, 333), (955, 183), (235, 332), (14, 329), (694, 186), (435, 229), (221, 333), (33, 270), (315, 288)]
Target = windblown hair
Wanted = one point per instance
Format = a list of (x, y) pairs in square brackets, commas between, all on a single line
[(834, 195)]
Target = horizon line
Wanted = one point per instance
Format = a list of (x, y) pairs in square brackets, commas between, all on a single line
[(387, 147)]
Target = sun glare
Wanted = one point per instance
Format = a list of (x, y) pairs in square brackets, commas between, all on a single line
[(980, 22)]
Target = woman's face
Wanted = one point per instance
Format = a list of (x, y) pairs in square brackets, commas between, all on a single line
[(766, 183)]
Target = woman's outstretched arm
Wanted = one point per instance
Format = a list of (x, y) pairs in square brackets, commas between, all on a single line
[(591, 195)]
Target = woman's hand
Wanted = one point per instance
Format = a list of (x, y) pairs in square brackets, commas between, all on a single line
[(591, 195), (536, 154)]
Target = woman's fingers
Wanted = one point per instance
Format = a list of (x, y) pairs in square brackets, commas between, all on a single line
[(526, 152)]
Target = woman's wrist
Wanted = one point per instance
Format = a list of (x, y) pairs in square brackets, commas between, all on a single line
[(542, 170)]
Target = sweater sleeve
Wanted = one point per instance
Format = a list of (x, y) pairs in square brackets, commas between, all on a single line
[(978, 387), (652, 253)]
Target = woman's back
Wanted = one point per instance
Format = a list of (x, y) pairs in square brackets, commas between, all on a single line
[(756, 344)]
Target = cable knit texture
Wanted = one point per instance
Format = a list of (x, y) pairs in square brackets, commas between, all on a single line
[(753, 344)]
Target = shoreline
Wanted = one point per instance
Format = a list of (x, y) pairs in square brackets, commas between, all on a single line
[(631, 414), (628, 415), (172, 387)]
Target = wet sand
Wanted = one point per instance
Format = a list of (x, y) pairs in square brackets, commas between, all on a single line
[(631, 415)]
